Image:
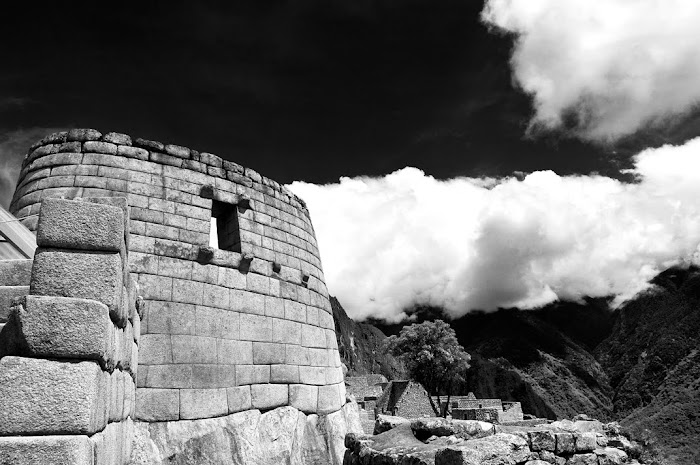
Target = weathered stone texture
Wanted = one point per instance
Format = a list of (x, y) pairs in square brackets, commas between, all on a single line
[(84, 275), (15, 272), (54, 450), (62, 327), (50, 397), (283, 435)]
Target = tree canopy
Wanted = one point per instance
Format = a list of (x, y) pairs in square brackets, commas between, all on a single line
[(432, 356)]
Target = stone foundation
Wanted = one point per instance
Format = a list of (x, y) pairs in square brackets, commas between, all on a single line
[(280, 436)]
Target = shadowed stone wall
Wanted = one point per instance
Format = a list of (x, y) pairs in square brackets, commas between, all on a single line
[(223, 330)]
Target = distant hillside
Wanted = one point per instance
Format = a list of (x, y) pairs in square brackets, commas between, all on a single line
[(360, 347), (639, 365), (540, 358), (652, 360)]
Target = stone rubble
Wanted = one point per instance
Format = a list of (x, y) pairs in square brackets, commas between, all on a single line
[(468, 442)]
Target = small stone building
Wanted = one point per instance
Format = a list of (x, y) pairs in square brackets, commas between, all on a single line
[(405, 398), (366, 390), (492, 410)]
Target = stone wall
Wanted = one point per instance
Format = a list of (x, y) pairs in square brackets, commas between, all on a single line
[(68, 352), (490, 415), (223, 330), (512, 411)]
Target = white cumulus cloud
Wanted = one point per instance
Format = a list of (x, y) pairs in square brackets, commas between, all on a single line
[(603, 69), (391, 242)]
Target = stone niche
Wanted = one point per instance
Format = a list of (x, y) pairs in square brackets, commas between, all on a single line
[(236, 314)]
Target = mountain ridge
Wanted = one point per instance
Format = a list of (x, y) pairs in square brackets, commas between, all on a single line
[(638, 364)]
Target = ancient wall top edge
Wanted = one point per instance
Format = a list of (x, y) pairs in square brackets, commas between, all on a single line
[(158, 152)]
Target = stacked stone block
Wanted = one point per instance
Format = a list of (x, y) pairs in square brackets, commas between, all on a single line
[(223, 331), (14, 282), (67, 374)]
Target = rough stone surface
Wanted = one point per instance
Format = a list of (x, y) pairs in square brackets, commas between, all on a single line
[(158, 404), (500, 448), (81, 135), (542, 440), (464, 429), (84, 275), (54, 450), (387, 422), (407, 442), (50, 397), (586, 442), (15, 272), (610, 456), (269, 396), (8, 295), (303, 397), (565, 443), (280, 436), (63, 327), (80, 225)]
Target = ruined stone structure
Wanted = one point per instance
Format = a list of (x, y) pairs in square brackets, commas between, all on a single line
[(406, 399), (492, 410), (366, 390), (235, 312)]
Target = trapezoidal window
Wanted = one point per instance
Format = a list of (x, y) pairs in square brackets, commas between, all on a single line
[(225, 233)]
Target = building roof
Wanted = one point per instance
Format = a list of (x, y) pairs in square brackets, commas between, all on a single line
[(16, 241)]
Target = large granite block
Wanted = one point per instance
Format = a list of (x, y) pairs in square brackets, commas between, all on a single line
[(303, 397), (170, 318), (168, 376), (85, 275), (203, 403), (255, 327), (284, 374), (286, 331), (267, 353), (54, 450), (65, 327), (269, 396), (312, 375), (70, 224), (328, 399), (252, 374), (155, 349), (193, 349), (157, 404), (7, 296), (50, 397), (313, 336), (239, 399), (15, 272), (234, 352)]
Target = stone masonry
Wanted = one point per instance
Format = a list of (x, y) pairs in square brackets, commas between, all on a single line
[(68, 352), (246, 325)]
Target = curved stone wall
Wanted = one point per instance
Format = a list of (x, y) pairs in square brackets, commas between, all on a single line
[(223, 330)]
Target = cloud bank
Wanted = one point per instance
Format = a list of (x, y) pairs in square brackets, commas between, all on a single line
[(389, 243), (602, 70)]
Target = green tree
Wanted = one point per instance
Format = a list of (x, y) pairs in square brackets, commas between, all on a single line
[(433, 357)]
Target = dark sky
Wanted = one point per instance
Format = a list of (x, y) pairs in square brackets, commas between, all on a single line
[(300, 90)]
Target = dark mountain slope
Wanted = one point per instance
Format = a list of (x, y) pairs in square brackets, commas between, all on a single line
[(652, 359), (527, 356), (639, 365), (540, 358), (360, 347)]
